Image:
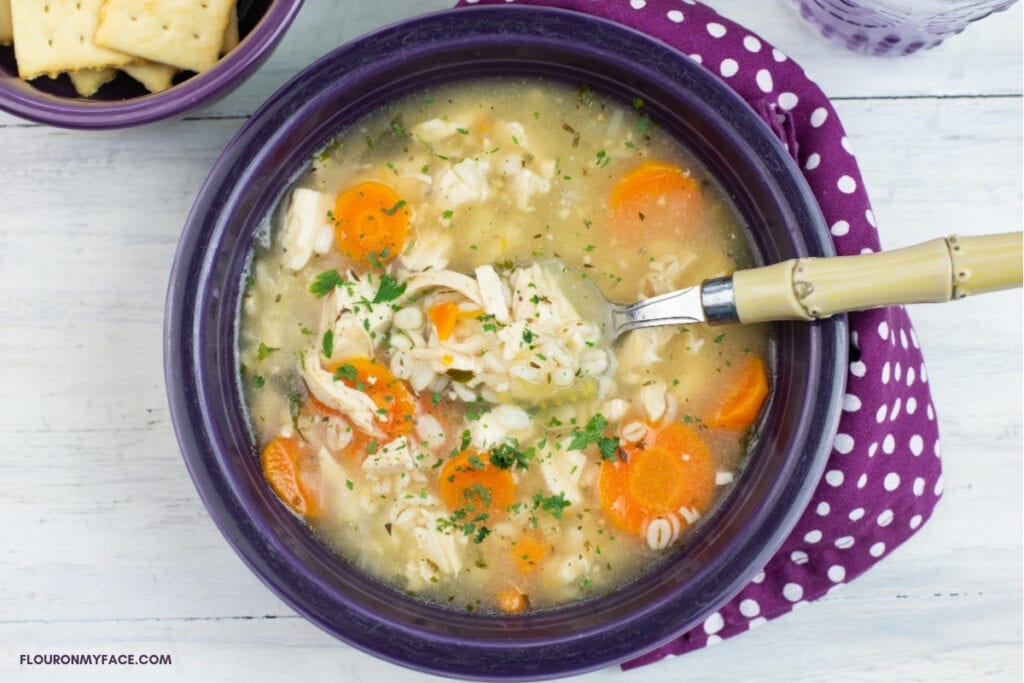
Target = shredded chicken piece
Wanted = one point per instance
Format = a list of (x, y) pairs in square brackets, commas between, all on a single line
[(435, 130), (302, 225), (435, 551), (353, 404), (445, 279), (429, 251), (392, 458), (492, 292), (562, 470), (463, 183), (355, 317)]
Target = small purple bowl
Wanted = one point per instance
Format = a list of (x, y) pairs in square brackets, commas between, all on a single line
[(201, 363), (123, 102)]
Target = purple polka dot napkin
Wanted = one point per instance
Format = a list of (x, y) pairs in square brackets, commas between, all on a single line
[(883, 477)]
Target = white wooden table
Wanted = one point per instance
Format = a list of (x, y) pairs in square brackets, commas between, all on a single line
[(106, 548)]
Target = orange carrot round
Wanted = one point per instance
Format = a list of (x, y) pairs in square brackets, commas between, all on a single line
[(470, 479), (655, 199), (668, 470), (742, 403), (528, 551), (444, 316), (281, 460), (371, 222), (512, 601)]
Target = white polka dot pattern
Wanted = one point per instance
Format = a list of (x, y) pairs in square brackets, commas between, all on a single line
[(713, 624)]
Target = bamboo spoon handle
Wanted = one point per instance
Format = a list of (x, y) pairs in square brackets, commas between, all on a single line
[(934, 271)]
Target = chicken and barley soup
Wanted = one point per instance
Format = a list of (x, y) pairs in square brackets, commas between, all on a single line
[(435, 402)]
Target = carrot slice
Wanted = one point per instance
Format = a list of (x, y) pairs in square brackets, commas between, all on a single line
[(512, 600), (655, 199), (740, 407), (396, 408), (444, 316), (281, 458), (371, 222), (529, 551), (669, 470), (469, 479)]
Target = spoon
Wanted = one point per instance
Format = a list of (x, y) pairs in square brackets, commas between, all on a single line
[(814, 288)]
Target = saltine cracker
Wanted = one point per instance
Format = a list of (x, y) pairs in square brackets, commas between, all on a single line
[(6, 29), (88, 81), (156, 77), (57, 35), (187, 34)]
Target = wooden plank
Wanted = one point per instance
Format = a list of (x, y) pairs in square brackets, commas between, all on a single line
[(107, 546), (984, 60)]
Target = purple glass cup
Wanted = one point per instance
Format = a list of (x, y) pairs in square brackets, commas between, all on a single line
[(895, 27), (793, 438), (123, 102)]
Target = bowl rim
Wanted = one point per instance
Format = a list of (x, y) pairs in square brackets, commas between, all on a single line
[(20, 98), (199, 438)]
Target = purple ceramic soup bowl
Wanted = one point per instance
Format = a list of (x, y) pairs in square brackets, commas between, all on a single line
[(124, 102), (793, 437)]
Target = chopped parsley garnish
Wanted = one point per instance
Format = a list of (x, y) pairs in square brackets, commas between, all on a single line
[(377, 260), (263, 351), (507, 455), (394, 209), (325, 283), (642, 124), (448, 213), (474, 414), (479, 492), (258, 381), (389, 290), (593, 434), (347, 371), (349, 485), (489, 322), (328, 343), (295, 402), (553, 505), (464, 520)]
